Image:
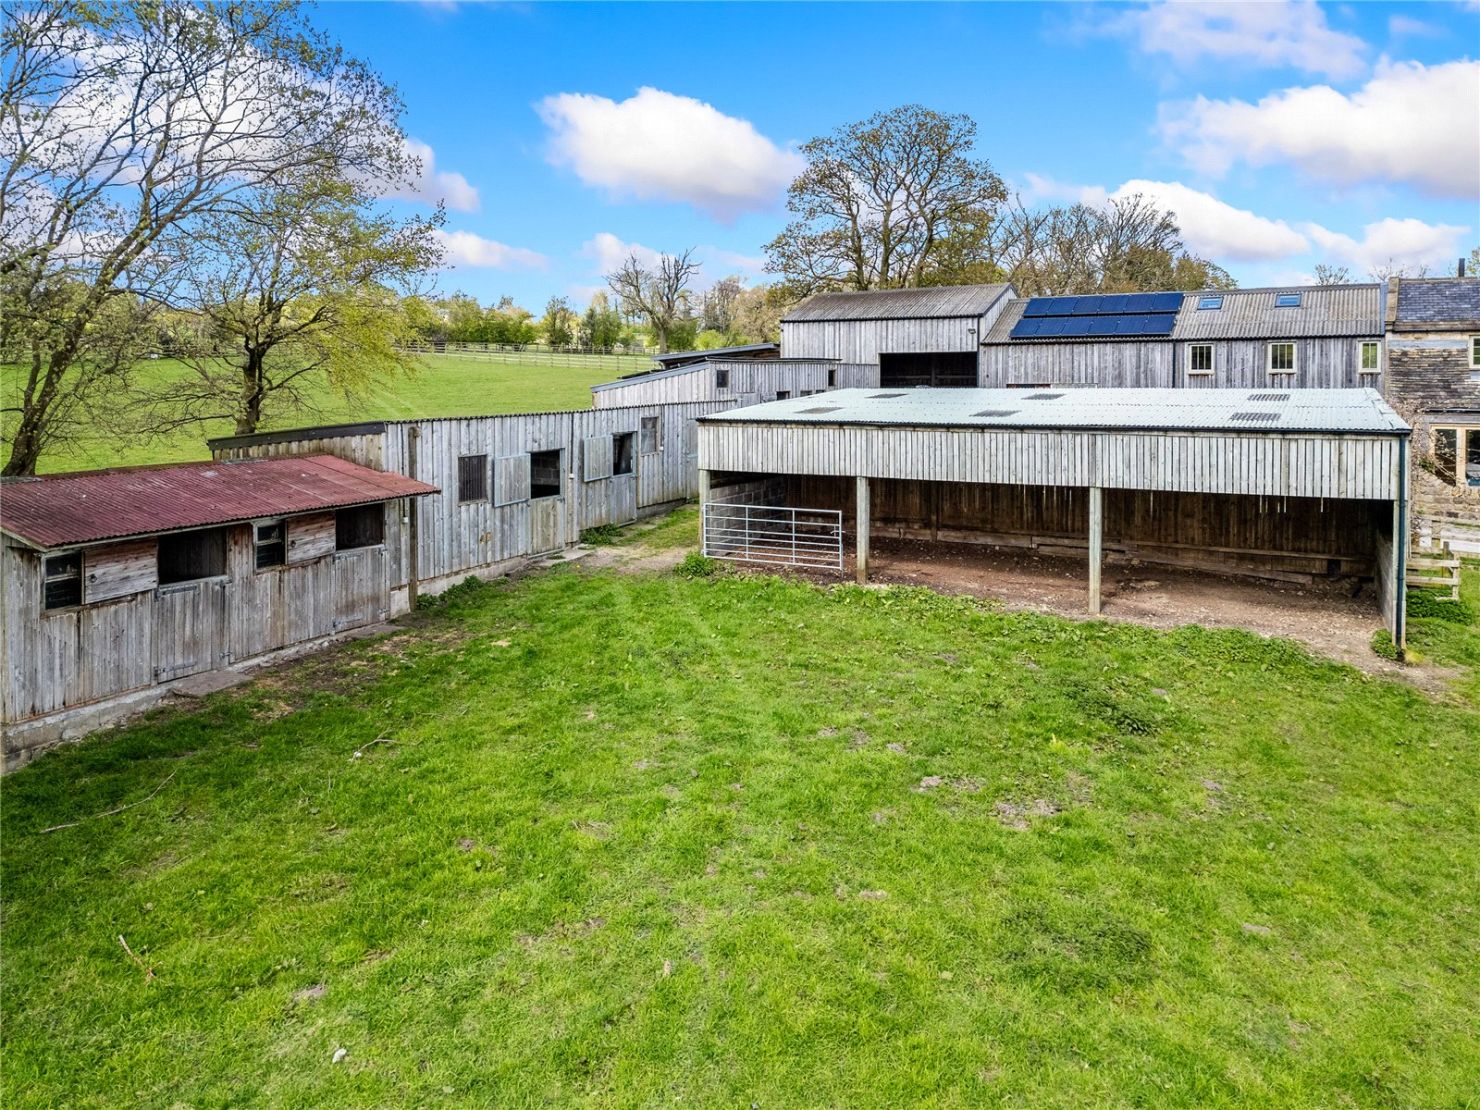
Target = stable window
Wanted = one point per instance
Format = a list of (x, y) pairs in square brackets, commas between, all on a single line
[(1456, 455), (649, 434), (269, 548), (1287, 300), (1369, 359), (783, 394), (722, 377), (544, 474), (1200, 358), (1206, 304), (61, 581), (188, 556), (1282, 358), (622, 452), (362, 526), (832, 377), (472, 478)]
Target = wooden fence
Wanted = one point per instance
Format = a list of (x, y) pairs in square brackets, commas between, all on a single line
[(530, 355)]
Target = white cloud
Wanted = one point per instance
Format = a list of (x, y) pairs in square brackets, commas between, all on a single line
[(1288, 33), (467, 249), (607, 252), (658, 146), (1215, 229), (434, 186), (1400, 26), (1392, 244), (1410, 123)]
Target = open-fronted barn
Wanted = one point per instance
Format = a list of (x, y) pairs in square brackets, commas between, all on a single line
[(120, 582), (915, 337), (1310, 337), (1291, 485)]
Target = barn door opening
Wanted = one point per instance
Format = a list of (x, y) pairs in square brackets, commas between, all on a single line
[(941, 369)]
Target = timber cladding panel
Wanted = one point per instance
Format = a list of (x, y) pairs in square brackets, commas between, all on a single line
[(310, 536), (763, 378), (120, 569), (1270, 464)]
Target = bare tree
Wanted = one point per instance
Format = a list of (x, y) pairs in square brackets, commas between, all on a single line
[(121, 127), (1326, 274), (657, 294), (880, 201), (717, 306)]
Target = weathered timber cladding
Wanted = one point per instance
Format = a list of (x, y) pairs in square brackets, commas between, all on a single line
[(119, 569), (763, 378), (1292, 465), (147, 634), (1320, 363), (1429, 373), (310, 536)]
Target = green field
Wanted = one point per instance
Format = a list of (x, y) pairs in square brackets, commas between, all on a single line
[(641, 839), (447, 386)]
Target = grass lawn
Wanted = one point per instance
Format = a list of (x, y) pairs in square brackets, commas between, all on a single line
[(638, 839), (448, 386)]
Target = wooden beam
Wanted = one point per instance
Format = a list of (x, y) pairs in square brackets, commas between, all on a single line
[(1096, 545), (861, 520), (703, 500)]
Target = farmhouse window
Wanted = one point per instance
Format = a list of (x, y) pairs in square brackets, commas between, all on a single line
[(622, 452), (1371, 357), (362, 526), (1200, 358), (1475, 352), (722, 377), (1456, 455), (472, 478), (269, 548), (188, 556), (649, 434), (1282, 358), (61, 581), (544, 474)]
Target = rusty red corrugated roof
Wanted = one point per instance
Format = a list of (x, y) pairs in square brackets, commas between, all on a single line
[(66, 509)]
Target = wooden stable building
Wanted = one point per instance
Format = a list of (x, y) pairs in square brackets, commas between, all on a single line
[(1287, 485), (735, 381), (119, 583)]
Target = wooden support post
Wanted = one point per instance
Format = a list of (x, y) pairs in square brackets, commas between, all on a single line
[(861, 520), (1096, 545)]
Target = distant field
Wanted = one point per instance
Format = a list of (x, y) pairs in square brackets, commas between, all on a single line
[(448, 385)]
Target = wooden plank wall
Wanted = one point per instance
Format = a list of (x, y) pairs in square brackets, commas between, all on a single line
[(1237, 364), (762, 377), (129, 641), (862, 341), (1281, 538), (455, 538), (1289, 465)]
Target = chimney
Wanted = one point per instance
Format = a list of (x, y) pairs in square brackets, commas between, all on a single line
[(1461, 267)]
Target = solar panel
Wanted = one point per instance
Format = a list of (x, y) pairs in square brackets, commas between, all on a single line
[(1045, 306), (1166, 302), (1098, 314)]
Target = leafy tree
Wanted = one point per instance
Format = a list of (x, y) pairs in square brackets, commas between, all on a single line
[(881, 202), (601, 327), (559, 323), (296, 289), (758, 312), (657, 294), (125, 126), (717, 305)]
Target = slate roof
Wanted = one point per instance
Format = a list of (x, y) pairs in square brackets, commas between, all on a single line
[(1360, 411), (677, 358), (65, 509), (1438, 303), (1324, 311), (939, 302)]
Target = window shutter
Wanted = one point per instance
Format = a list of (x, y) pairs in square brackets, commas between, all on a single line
[(597, 457), (511, 479)]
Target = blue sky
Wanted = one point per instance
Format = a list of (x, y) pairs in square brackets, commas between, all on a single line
[(1283, 134)]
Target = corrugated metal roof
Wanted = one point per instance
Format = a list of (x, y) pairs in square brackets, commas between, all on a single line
[(673, 357), (1326, 310), (936, 302), (1451, 302), (65, 509), (1228, 410)]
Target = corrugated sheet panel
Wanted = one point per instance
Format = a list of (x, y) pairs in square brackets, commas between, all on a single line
[(899, 304), (111, 504), (1242, 410), (1447, 301)]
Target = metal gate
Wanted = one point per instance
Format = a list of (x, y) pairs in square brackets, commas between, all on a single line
[(772, 534)]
